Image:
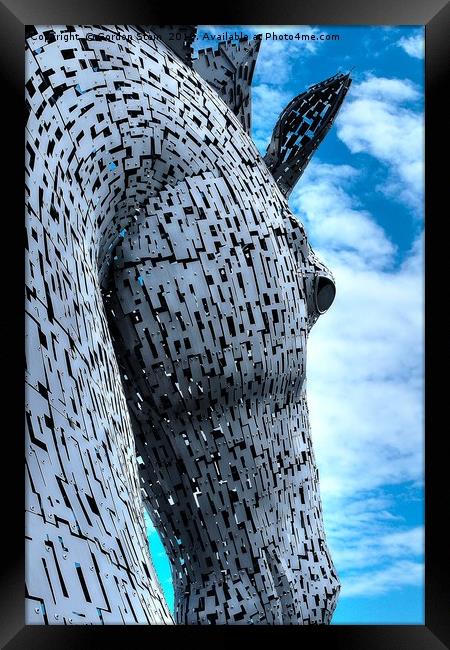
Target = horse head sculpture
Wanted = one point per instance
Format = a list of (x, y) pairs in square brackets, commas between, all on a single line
[(170, 294)]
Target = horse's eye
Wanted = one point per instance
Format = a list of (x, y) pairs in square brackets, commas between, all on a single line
[(324, 293)]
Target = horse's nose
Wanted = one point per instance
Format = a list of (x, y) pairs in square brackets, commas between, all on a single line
[(324, 293)]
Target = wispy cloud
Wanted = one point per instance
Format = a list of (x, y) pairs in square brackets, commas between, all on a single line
[(277, 56), (413, 45), (364, 383), (365, 355), (268, 102), (375, 553), (375, 583), (272, 88), (380, 119), (334, 218), (372, 535)]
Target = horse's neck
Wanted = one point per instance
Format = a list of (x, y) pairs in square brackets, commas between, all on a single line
[(87, 553)]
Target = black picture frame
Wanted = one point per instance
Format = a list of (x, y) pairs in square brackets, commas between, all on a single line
[(15, 15)]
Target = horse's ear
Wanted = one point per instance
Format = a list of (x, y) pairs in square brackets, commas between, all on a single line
[(229, 70), (178, 38), (300, 129)]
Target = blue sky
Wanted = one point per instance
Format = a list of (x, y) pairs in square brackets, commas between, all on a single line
[(361, 200)]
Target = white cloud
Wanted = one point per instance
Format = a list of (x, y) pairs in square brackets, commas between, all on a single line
[(277, 56), (367, 535), (374, 120), (413, 45), (385, 89), (373, 551), (365, 392), (332, 219), (273, 70), (365, 355), (268, 102), (375, 583)]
